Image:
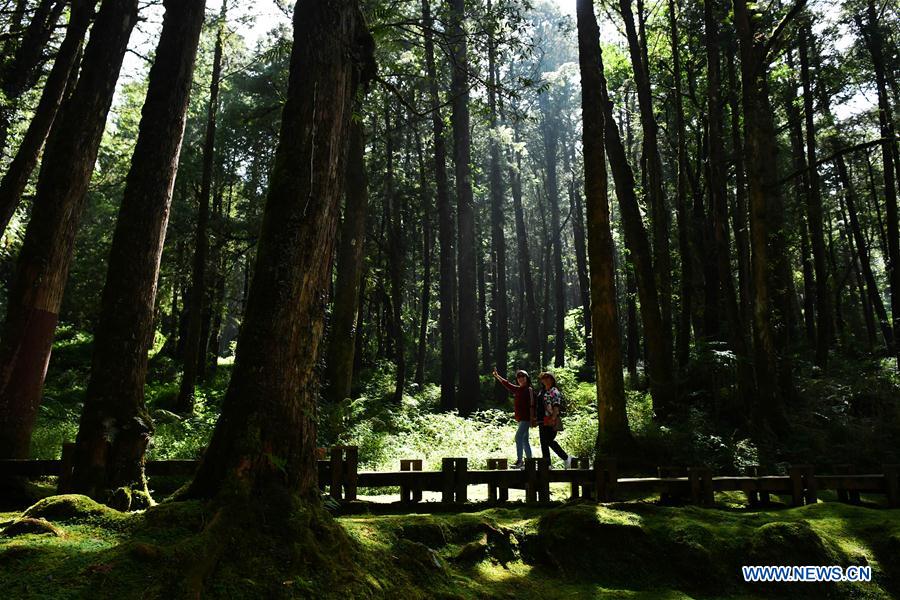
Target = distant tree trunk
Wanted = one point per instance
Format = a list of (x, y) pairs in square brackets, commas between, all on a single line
[(815, 214), (43, 264), (550, 133), (486, 355), (631, 325), (581, 263), (683, 333), (427, 248), (395, 262), (718, 196), (613, 434), (739, 214), (659, 364), (659, 214), (193, 351), (872, 35), (532, 339), (446, 231), (498, 239), (64, 68), (265, 439), (20, 67), (351, 252), (466, 246), (115, 427)]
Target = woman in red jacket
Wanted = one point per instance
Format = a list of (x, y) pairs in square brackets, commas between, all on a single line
[(524, 411)]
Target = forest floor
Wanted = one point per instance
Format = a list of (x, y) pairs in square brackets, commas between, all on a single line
[(578, 550)]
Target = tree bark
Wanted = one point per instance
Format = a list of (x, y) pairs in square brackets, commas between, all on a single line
[(64, 68), (462, 155), (427, 248), (265, 438), (550, 132), (613, 434), (872, 35), (194, 353), (739, 213), (581, 262), (43, 264), (815, 214), (351, 253), (395, 262), (446, 231), (115, 426), (659, 363)]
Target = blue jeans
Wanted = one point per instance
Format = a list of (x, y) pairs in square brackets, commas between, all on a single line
[(522, 442)]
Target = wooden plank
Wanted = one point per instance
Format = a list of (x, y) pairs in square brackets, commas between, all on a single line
[(462, 482), (448, 479), (531, 480), (351, 467), (544, 480)]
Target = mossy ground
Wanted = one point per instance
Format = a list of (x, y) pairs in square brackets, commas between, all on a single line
[(622, 550)]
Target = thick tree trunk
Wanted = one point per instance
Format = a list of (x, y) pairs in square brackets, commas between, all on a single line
[(485, 337), (266, 436), (659, 363), (395, 262), (613, 433), (446, 231), (194, 352), (872, 34), (815, 215), (115, 426), (739, 212), (351, 253), (427, 248), (43, 264), (64, 68), (581, 262), (462, 157)]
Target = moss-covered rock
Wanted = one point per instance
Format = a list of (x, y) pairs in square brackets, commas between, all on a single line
[(27, 525), (789, 543), (68, 507), (429, 533)]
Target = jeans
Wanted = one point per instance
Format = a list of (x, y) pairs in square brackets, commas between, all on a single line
[(522, 442), (548, 441)]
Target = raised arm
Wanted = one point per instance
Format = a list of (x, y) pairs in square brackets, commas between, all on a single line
[(504, 382)]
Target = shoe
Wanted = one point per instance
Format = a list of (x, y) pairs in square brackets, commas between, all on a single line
[(518, 465), (568, 462)]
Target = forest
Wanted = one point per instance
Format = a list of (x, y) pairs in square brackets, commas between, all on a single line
[(641, 257)]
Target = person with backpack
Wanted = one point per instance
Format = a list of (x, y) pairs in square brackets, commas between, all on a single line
[(550, 409), (523, 410)]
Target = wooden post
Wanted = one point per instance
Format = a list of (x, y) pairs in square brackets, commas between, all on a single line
[(892, 484), (700, 479), (753, 496), (337, 467), (573, 491), (585, 465), (544, 480), (406, 496), (67, 463), (798, 484), (605, 474), (843, 494), (497, 493), (462, 480), (350, 471), (665, 496), (811, 485), (531, 479), (448, 479)]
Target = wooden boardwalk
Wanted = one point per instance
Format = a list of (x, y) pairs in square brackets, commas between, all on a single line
[(340, 477)]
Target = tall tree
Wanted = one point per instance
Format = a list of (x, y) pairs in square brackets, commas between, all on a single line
[(395, 260), (613, 432), (550, 133), (466, 246), (581, 262), (194, 351), (43, 263), (265, 438), (872, 33), (814, 210), (63, 71), (446, 230), (351, 253), (115, 426), (427, 248)]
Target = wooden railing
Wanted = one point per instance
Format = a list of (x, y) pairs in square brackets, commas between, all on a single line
[(340, 476)]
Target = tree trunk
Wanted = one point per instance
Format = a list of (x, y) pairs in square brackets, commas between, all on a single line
[(351, 253), (193, 350), (613, 433), (485, 336), (266, 436), (532, 338), (739, 213), (395, 262), (550, 131), (659, 214), (872, 34), (815, 214), (462, 155), (581, 262), (498, 239), (427, 248), (446, 232), (115, 426), (64, 68), (43, 264), (659, 364)]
